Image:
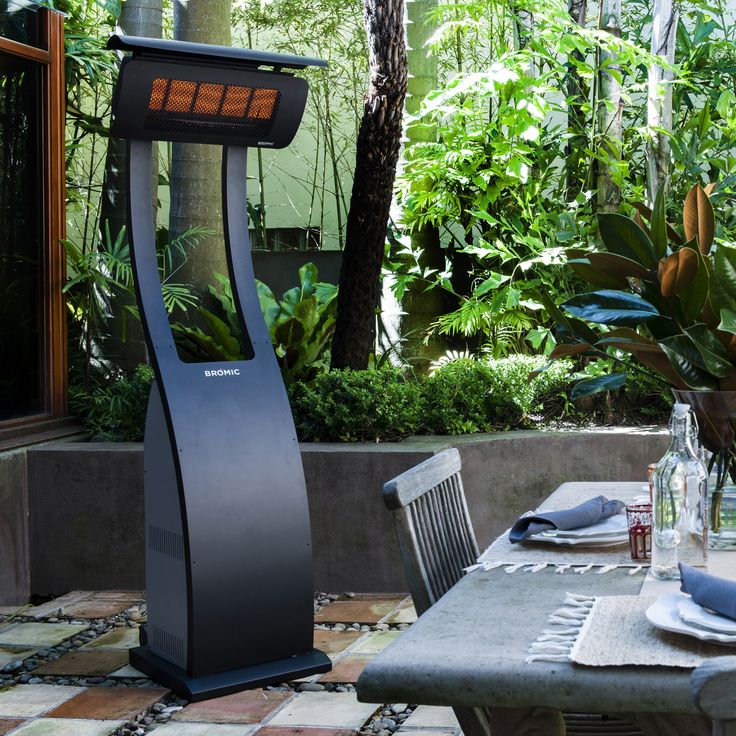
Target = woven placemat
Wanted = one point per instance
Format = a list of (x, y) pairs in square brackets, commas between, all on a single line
[(613, 631)]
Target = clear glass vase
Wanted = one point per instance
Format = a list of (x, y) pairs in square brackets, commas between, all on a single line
[(716, 415)]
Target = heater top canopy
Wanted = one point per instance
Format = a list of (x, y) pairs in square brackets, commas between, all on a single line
[(185, 50), (196, 93)]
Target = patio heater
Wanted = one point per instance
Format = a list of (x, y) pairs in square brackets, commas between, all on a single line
[(228, 558)]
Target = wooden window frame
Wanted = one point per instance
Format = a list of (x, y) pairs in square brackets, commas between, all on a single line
[(50, 57)]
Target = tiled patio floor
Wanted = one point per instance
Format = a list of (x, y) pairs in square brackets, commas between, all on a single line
[(64, 672)]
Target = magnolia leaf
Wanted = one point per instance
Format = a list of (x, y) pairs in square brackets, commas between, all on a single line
[(591, 386), (629, 346), (672, 234), (612, 308), (693, 296), (615, 265), (658, 223), (728, 321), (724, 261), (578, 260), (688, 363), (698, 218), (715, 358), (709, 188), (565, 349), (621, 235), (677, 271)]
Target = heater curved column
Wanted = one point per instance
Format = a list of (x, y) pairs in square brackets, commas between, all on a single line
[(228, 551)]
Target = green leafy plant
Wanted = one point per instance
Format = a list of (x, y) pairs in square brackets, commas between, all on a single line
[(301, 324), (351, 406), (667, 298), (115, 408)]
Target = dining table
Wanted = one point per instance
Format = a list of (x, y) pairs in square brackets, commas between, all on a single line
[(472, 647)]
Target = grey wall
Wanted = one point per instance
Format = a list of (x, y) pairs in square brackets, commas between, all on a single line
[(14, 557), (86, 500)]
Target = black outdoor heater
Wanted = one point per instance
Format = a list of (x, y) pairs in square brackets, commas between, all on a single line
[(228, 550)]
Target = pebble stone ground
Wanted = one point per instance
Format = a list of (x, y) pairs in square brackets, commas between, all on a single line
[(64, 672)]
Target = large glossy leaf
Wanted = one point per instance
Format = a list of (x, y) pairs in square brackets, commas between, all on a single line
[(658, 223), (578, 260), (688, 363), (619, 266), (724, 260), (698, 219), (621, 235), (612, 308), (591, 386), (693, 296), (672, 234), (728, 321), (714, 355), (677, 270), (565, 349), (575, 328)]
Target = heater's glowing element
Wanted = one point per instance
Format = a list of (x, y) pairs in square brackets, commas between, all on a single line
[(181, 96)]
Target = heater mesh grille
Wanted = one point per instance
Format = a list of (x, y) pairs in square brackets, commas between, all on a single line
[(166, 542), (184, 106)]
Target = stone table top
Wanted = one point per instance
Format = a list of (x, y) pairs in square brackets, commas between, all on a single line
[(469, 649)]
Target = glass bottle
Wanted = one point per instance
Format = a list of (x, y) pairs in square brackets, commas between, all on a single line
[(680, 495)]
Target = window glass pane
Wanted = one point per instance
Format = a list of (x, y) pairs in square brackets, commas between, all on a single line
[(19, 21), (21, 217)]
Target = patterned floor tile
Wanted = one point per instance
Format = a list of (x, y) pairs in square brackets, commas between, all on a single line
[(25, 701), (249, 706), (333, 642), (203, 729), (359, 610), (121, 638), (348, 669), (96, 608), (431, 716), (405, 615), (376, 642), (8, 724), (68, 727), (325, 709), (37, 634), (302, 731), (58, 605), (128, 671), (11, 654), (112, 703), (92, 664)]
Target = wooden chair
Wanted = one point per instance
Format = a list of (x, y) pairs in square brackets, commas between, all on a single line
[(437, 543), (714, 689)]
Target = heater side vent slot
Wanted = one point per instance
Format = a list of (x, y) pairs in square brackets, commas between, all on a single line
[(166, 542), (167, 643)]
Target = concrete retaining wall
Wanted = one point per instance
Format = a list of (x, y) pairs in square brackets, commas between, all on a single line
[(14, 557), (86, 500)]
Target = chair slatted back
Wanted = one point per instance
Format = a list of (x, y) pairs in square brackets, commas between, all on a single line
[(435, 533)]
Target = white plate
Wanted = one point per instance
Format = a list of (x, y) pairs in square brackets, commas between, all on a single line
[(692, 613), (613, 526), (565, 542), (664, 615)]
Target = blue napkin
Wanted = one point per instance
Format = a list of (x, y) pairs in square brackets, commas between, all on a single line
[(590, 512), (709, 591)]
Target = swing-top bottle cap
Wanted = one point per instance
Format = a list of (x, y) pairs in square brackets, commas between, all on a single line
[(681, 410)]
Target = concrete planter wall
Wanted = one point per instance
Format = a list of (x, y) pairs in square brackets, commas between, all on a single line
[(85, 501)]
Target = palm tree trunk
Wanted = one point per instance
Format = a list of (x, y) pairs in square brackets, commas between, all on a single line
[(125, 343), (659, 99), (196, 198), (609, 112), (421, 307), (377, 152)]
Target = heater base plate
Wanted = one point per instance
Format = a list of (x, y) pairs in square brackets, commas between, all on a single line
[(230, 681)]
